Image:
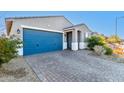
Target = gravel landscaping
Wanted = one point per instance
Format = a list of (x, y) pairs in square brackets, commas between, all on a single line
[(17, 70), (114, 58)]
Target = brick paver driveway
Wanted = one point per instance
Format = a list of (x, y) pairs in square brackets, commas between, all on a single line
[(78, 66)]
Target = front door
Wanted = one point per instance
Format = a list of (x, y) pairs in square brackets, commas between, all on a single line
[(79, 39), (69, 40)]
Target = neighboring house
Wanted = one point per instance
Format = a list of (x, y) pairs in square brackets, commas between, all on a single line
[(47, 33)]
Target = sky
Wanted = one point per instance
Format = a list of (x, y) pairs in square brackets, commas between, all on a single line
[(97, 21)]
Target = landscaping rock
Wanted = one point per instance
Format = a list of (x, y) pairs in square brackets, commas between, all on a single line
[(17, 70)]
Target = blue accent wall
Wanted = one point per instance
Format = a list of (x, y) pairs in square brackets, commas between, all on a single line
[(37, 41)]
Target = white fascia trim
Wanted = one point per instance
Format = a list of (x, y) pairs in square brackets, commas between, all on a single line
[(30, 27)]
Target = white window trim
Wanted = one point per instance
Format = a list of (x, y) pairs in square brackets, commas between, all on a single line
[(36, 28)]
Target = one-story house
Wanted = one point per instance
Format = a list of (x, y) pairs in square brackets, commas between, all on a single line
[(42, 34)]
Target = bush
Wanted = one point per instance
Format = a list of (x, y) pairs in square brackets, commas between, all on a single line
[(109, 51), (8, 49), (95, 40), (99, 50), (114, 39)]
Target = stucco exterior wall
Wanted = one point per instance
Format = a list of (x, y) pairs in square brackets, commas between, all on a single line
[(79, 34), (84, 32), (54, 23), (83, 28)]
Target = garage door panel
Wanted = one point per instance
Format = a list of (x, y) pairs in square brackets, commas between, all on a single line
[(36, 41)]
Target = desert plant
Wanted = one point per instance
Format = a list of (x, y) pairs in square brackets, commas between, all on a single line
[(99, 50), (8, 49), (109, 51), (95, 40), (114, 39)]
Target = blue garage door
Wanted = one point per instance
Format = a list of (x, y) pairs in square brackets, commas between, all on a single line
[(37, 41)]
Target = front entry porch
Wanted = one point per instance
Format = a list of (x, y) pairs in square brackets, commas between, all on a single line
[(75, 39), (69, 40)]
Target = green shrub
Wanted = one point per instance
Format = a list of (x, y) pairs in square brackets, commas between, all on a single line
[(95, 40), (8, 49), (109, 51)]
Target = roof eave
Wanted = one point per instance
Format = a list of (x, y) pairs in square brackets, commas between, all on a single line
[(8, 26)]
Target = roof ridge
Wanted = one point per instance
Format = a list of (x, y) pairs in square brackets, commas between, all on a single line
[(33, 17), (75, 25)]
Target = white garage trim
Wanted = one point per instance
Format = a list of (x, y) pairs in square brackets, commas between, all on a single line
[(36, 28)]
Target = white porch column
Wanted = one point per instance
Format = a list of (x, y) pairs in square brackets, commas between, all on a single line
[(82, 38), (82, 43), (86, 34), (65, 40), (74, 44)]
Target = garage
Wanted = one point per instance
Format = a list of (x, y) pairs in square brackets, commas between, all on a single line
[(41, 41)]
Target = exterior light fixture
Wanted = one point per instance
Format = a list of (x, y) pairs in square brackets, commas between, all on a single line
[(18, 31)]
